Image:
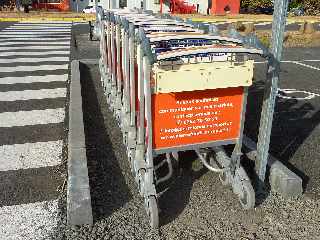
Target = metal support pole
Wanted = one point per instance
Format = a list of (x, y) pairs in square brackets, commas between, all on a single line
[(271, 88)]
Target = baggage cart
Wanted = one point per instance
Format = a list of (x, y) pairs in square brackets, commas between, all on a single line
[(174, 87)]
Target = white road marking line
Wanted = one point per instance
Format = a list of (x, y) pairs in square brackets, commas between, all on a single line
[(30, 155), (31, 38), (36, 221), (307, 95), (263, 23), (9, 33), (43, 24), (34, 117), (24, 95), (288, 61), (40, 27), (67, 43), (37, 30), (33, 60), (34, 79), (308, 66), (9, 37), (314, 60), (42, 53), (10, 48), (33, 68)]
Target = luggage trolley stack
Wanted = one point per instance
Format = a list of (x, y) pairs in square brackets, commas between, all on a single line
[(174, 87)]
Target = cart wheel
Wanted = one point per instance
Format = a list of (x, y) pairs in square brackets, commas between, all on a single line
[(153, 212), (125, 138), (142, 173), (131, 159), (224, 179), (247, 195)]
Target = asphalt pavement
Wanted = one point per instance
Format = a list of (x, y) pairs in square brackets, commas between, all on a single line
[(197, 206)]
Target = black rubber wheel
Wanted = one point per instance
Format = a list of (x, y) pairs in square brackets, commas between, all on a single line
[(247, 197), (131, 160), (153, 212), (224, 179)]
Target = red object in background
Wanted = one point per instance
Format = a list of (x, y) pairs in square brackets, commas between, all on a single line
[(222, 7), (179, 6), (62, 5)]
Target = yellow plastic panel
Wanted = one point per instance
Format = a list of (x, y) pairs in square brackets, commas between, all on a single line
[(201, 76)]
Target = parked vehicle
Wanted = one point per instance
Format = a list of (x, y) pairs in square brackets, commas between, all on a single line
[(89, 9), (299, 11)]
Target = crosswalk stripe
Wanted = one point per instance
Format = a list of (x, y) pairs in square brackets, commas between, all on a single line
[(42, 53), (32, 94), (33, 60), (37, 30), (34, 43), (10, 48), (30, 155), (9, 33), (29, 221), (43, 24), (32, 68), (34, 79), (39, 27), (19, 38), (34, 117)]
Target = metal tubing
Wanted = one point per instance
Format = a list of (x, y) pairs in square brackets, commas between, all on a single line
[(207, 165), (271, 88), (118, 46), (236, 154), (147, 114), (141, 130), (132, 82)]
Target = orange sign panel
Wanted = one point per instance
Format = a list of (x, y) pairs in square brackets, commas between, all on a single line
[(196, 117)]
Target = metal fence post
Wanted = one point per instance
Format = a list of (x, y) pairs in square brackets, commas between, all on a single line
[(271, 87)]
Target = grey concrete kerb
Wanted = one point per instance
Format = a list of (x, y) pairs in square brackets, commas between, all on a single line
[(79, 210), (281, 179)]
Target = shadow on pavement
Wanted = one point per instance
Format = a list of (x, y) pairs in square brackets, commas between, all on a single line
[(109, 191), (294, 121), (176, 198)]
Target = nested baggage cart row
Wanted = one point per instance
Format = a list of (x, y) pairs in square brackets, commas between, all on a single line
[(174, 86)]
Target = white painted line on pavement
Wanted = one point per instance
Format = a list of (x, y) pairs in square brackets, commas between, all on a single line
[(34, 79), (308, 66), (24, 95), (262, 23), (31, 38), (26, 48), (288, 61), (315, 60), (33, 68), (36, 221), (42, 53), (33, 60), (10, 48), (35, 43), (26, 33), (44, 23), (39, 27), (34, 117), (30, 155), (37, 30)]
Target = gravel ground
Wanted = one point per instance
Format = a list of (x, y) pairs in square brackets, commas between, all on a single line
[(197, 206)]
